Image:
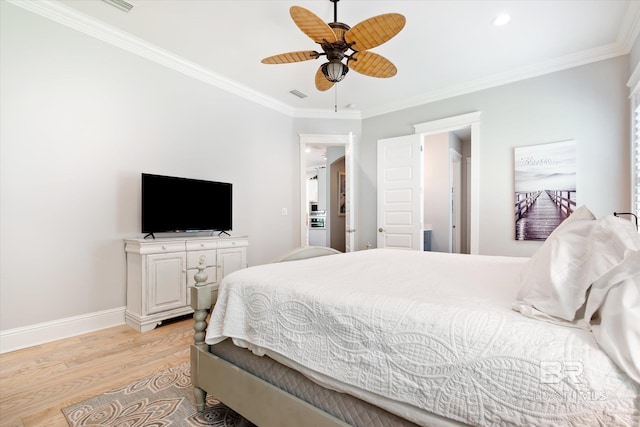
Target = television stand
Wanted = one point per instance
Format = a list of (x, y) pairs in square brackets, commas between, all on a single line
[(150, 234), (220, 233), (160, 274)]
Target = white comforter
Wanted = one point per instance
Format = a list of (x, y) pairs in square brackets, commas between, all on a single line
[(421, 332)]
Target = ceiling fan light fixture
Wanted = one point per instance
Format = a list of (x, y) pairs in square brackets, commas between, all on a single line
[(334, 71), (336, 39)]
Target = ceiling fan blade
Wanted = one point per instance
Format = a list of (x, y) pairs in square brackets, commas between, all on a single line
[(372, 64), (312, 25), (285, 58), (374, 31), (322, 83)]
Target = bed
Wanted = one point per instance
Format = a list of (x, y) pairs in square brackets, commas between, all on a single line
[(403, 338)]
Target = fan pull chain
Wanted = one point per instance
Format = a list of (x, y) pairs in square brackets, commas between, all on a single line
[(335, 102)]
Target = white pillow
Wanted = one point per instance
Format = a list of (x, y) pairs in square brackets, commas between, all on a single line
[(618, 328), (553, 281), (603, 255)]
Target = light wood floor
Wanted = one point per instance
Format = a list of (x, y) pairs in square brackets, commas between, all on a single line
[(36, 382)]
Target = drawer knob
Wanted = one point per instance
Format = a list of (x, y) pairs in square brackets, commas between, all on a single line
[(164, 248)]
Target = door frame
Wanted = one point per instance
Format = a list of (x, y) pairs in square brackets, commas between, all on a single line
[(344, 140), (455, 216), (449, 124)]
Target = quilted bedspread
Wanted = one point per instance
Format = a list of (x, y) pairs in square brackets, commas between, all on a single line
[(421, 333)]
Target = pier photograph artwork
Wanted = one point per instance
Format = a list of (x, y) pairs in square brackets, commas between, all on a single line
[(545, 188)]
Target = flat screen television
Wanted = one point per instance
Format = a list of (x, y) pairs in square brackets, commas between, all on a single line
[(173, 204)]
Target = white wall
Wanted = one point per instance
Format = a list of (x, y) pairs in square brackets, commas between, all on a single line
[(588, 103), (80, 120)]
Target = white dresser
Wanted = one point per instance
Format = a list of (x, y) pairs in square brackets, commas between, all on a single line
[(160, 273)]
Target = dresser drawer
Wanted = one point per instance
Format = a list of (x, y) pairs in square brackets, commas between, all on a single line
[(236, 243), (199, 245), (160, 247)]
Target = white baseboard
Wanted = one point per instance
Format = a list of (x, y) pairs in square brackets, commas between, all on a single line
[(40, 333)]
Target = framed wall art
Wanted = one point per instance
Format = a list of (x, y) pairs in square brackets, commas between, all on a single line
[(545, 188)]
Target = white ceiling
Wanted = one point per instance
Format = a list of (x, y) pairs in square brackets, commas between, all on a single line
[(447, 48)]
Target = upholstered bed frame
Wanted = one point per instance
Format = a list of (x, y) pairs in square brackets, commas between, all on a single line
[(258, 401), (488, 343)]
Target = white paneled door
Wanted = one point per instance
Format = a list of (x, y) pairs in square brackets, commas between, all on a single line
[(400, 193)]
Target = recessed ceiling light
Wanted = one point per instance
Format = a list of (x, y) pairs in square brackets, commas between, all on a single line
[(501, 19)]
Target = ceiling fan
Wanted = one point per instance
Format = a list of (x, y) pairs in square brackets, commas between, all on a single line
[(336, 39)]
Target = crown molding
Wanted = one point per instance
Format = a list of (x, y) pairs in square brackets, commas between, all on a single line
[(627, 36), (79, 21), (574, 60), (630, 27)]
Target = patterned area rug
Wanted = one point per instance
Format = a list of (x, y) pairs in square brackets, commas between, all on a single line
[(163, 399)]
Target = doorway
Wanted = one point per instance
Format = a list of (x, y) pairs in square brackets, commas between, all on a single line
[(455, 162), (445, 206), (336, 212), (400, 220), (329, 143)]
